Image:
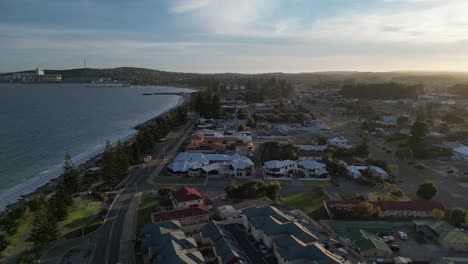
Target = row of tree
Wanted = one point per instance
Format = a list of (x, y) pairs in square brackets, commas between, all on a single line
[(254, 189), (390, 90), (207, 103)]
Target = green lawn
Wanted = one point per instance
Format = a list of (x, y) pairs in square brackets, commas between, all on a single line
[(347, 196), (178, 180), (310, 203), (23, 228), (316, 183), (383, 196), (82, 213), (148, 205)]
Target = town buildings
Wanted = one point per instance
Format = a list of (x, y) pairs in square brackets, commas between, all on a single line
[(397, 209), (166, 242), (288, 168), (200, 164)]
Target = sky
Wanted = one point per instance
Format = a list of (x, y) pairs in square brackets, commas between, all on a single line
[(248, 36)]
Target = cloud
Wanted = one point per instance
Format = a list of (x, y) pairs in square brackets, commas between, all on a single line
[(183, 6)]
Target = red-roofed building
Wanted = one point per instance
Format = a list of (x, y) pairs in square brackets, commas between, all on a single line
[(189, 206), (191, 219), (394, 208), (186, 197)]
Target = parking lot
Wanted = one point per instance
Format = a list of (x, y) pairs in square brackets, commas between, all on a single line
[(417, 247)]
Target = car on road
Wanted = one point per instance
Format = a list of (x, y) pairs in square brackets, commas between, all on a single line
[(223, 197), (402, 235), (395, 247)]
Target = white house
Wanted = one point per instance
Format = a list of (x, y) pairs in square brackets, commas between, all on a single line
[(279, 168), (312, 147), (197, 164), (286, 168), (313, 124), (461, 153), (339, 143), (389, 120), (311, 168), (355, 172)]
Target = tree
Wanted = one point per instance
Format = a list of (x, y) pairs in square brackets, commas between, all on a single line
[(59, 202), (438, 214), (418, 139), (44, 227), (272, 190), (363, 148), (165, 191), (107, 165), (457, 216), (241, 128), (426, 191), (403, 121), (70, 175), (121, 160), (3, 243)]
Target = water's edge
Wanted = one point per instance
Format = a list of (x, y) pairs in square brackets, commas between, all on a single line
[(12, 195)]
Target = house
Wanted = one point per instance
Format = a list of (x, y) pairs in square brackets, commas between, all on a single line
[(191, 219), (187, 205), (389, 120), (362, 236), (447, 235), (229, 213), (461, 153), (436, 137), (187, 197), (410, 209), (355, 172), (339, 143), (313, 148), (216, 142), (311, 168), (199, 164), (166, 242), (285, 168), (313, 125), (279, 168), (290, 241), (225, 249)]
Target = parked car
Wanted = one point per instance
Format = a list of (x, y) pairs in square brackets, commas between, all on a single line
[(402, 235), (395, 247), (223, 197)]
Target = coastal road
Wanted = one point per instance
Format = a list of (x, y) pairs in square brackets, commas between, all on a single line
[(114, 241)]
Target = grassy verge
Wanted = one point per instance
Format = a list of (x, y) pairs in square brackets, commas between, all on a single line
[(348, 196), (82, 213), (315, 183), (177, 180), (310, 203), (148, 205), (384, 196)]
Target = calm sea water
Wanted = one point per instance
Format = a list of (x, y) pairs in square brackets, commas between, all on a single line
[(39, 123)]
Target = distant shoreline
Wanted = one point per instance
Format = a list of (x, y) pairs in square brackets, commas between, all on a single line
[(23, 192)]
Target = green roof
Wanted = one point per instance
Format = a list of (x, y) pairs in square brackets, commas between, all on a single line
[(444, 231), (292, 249), (449, 260), (356, 230), (371, 243)]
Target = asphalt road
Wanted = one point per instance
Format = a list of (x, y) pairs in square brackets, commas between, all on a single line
[(112, 242)]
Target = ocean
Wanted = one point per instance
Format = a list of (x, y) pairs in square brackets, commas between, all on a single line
[(39, 123)]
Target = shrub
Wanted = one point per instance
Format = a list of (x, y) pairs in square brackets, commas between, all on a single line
[(420, 166)]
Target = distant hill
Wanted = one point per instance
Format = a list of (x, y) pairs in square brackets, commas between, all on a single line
[(333, 79)]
